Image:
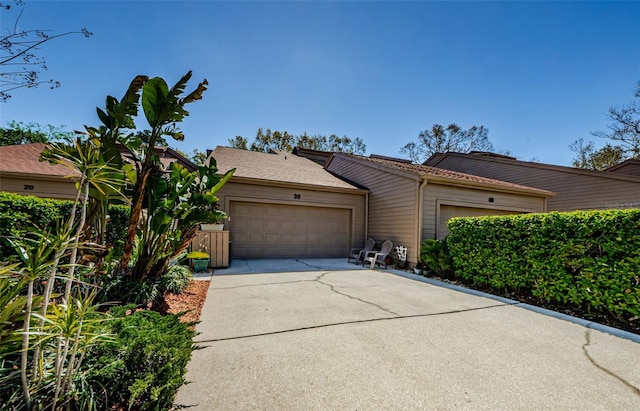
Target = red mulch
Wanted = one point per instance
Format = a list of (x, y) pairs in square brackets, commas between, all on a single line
[(190, 299)]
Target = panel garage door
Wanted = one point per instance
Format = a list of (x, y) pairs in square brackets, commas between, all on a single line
[(260, 230), (447, 212)]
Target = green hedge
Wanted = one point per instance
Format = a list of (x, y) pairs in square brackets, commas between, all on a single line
[(18, 213), (586, 259)]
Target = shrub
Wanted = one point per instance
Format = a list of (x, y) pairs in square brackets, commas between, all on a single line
[(145, 363), (18, 213), (435, 258), (585, 259), (176, 279)]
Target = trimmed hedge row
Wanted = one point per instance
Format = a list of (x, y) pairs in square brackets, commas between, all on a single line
[(19, 213), (585, 259)]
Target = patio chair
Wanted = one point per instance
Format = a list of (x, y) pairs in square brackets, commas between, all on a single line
[(378, 257), (359, 253)]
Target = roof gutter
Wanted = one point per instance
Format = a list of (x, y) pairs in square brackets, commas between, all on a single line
[(420, 222), (271, 183), (493, 187)]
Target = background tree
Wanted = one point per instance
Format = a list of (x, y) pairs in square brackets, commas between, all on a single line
[(276, 140), (21, 133), (623, 132), (439, 139), (625, 127), (590, 158), (268, 140), (20, 64), (239, 142), (198, 157)]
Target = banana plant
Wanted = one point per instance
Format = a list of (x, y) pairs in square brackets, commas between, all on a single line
[(177, 203), (163, 109)]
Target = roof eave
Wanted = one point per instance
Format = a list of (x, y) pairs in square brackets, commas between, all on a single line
[(544, 166), (47, 177), (402, 173), (290, 184), (489, 186)]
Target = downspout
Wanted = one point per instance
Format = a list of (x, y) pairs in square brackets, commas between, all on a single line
[(420, 222), (366, 217)]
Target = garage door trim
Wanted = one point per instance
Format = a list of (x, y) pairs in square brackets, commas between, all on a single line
[(255, 200)]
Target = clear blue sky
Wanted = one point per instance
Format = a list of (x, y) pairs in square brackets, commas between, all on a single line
[(538, 75)]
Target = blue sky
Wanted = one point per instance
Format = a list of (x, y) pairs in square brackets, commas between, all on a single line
[(538, 75)]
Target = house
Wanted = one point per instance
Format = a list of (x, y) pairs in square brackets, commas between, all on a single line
[(167, 155), (576, 189), (21, 172), (630, 167), (408, 203), (285, 206)]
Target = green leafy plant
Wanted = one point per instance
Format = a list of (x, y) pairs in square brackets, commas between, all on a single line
[(19, 214), (435, 258), (586, 259), (198, 255), (176, 279), (145, 364)]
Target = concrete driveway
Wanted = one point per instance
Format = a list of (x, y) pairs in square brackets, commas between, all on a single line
[(356, 339)]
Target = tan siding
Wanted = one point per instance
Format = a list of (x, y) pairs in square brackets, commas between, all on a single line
[(437, 195), (233, 191), (392, 203), (573, 191), (41, 188), (632, 169)]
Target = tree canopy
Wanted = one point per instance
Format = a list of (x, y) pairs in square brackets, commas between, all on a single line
[(21, 133), (439, 139), (268, 140), (623, 134), (20, 63)]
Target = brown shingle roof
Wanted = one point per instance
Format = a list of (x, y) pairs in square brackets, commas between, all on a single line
[(24, 159), (281, 167), (454, 176), (437, 158)]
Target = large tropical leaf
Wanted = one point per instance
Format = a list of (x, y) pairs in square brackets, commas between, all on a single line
[(154, 100)]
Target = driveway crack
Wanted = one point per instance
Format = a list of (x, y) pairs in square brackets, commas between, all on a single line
[(314, 327), (357, 299), (261, 284), (587, 337)]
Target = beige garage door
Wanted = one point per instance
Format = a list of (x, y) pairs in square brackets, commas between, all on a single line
[(288, 231), (447, 212)]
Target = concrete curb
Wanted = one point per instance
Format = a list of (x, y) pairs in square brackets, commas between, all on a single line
[(585, 323)]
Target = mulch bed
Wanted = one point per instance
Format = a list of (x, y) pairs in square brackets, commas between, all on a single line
[(190, 300)]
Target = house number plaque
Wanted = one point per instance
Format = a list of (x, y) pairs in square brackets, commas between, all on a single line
[(296, 196), (28, 187)]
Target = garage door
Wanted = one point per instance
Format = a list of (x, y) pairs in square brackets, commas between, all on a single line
[(447, 212), (261, 230)]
